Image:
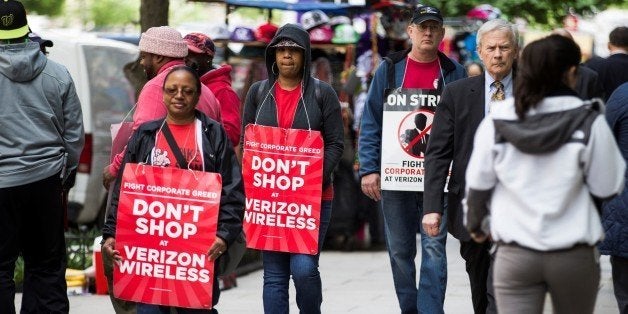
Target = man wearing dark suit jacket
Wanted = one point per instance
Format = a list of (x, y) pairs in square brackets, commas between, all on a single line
[(462, 107), (612, 70), (588, 85)]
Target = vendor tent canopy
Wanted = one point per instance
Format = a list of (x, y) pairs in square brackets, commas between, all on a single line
[(293, 5)]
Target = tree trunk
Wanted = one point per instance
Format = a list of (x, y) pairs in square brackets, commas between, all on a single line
[(152, 13)]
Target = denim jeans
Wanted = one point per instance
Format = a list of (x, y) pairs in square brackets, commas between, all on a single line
[(278, 267), (403, 212)]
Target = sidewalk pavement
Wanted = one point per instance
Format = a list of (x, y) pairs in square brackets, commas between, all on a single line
[(353, 282)]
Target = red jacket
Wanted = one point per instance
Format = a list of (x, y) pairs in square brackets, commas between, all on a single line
[(219, 82)]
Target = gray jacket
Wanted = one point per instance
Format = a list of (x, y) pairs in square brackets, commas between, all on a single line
[(41, 124)]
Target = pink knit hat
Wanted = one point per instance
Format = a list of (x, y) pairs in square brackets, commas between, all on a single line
[(164, 41)]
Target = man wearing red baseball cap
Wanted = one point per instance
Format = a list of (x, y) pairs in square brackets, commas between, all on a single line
[(201, 50)]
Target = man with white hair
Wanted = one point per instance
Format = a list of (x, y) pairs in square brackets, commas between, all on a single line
[(462, 107)]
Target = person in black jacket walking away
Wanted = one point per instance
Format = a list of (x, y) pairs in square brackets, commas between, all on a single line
[(615, 214)]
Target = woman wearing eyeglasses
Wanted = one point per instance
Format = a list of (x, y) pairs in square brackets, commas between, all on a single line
[(205, 147)]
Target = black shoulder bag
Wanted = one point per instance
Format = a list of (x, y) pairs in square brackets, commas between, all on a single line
[(173, 145)]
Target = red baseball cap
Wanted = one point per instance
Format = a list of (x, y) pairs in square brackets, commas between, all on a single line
[(266, 32), (200, 43)]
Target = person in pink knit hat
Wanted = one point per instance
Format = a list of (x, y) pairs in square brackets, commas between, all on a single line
[(201, 50), (161, 48)]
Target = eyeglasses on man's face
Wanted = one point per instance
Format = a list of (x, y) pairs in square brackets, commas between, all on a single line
[(433, 27)]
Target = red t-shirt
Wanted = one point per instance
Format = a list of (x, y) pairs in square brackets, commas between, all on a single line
[(287, 102), (185, 136), (421, 75)]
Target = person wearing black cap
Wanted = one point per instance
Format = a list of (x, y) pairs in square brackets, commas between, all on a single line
[(421, 69), (40, 141)]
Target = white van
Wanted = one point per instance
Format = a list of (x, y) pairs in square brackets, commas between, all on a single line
[(96, 65)]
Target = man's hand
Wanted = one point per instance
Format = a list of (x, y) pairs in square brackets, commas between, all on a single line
[(109, 248), (107, 177), (370, 186), (431, 224), (478, 237), (218, 248)]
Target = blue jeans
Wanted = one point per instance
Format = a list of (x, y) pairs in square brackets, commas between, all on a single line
[(403, 212), (278, 267)]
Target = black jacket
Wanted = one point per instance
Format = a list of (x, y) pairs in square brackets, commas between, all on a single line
[(458, 115), (611, 71), (218, 156), (324, 116)]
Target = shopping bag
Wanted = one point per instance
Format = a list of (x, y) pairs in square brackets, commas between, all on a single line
[(120, 135)]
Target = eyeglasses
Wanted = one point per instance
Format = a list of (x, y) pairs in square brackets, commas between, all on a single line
[(432, 27), (186, 92)]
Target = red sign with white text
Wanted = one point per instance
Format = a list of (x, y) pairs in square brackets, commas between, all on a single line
[(283, 178), (167, 220)]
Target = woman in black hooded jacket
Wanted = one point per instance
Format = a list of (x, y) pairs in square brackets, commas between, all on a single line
[(291, 98)]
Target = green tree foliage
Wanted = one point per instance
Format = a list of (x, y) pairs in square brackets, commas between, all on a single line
[(44, 7), (548, 12), (105, 13)]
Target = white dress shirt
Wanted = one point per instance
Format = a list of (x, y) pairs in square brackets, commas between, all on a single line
[(489, 89)]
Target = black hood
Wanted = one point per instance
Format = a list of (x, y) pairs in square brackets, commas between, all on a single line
[(297, 34)]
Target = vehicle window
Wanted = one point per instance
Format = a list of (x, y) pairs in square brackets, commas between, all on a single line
[(112, 95)]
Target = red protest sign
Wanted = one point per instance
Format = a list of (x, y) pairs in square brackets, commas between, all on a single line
[(282, 171), (167, 220)]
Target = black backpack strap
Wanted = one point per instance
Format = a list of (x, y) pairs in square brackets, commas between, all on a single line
[(173, 146), (317, 93), (260, 92)]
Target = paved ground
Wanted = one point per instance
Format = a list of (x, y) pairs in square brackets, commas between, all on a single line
[(353, 282)]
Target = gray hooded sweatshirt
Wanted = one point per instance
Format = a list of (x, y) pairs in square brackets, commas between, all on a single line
[(41, 124), (540, 177)]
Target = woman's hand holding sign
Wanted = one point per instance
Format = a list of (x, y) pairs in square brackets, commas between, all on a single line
[(109, 248), (218, 248)]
